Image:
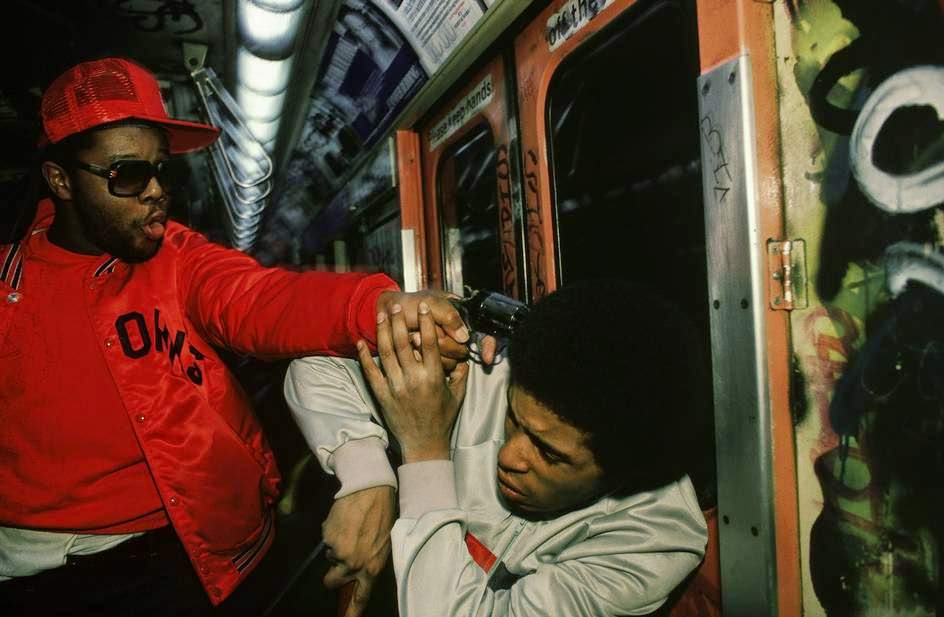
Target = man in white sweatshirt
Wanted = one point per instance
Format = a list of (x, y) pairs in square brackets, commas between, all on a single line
[(551, 484)]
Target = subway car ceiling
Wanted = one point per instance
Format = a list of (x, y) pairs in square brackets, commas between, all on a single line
[(319, 86)]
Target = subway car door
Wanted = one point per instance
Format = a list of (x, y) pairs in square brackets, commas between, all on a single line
[(619, 162), (469, 188), (609, 118)]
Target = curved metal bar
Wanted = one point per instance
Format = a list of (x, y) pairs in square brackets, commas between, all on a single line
[(224, 112)]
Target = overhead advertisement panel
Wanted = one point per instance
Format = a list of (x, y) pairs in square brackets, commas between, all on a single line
[(434, 27), (368, 75), (379, 55)]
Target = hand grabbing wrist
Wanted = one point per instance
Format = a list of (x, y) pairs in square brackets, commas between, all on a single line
[(418, 402)]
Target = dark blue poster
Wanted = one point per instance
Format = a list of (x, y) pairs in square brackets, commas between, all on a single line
[(368, 76)]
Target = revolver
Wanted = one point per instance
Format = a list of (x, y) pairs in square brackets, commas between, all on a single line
[(489, 312)]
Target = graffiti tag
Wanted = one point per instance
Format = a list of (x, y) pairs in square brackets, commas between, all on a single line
[(534, 222), (506, 221), (571, 19), (828, 364), (155, 18), (714, 142)]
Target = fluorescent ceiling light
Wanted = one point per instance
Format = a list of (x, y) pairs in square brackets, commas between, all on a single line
[(278, 5), (261, 75), (268, 33), (259, 107)]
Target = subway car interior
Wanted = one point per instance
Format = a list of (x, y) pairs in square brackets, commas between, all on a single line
[(773, 168)]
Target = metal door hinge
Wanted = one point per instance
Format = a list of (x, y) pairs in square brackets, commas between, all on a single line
[(786, 274)]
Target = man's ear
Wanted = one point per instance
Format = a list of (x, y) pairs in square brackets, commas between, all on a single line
[(58, 180)]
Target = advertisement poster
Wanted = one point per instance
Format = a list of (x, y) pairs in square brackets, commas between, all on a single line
[(379, 55), (433, 27), (369, 74)]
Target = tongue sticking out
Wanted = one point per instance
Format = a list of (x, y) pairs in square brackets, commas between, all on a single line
[(154, 231)]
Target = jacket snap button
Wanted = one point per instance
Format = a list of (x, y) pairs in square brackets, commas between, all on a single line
[(109, 342), (204, 570), (140, 418), (173, 501), (14, 297)]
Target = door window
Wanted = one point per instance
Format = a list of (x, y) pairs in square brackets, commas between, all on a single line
[(469, 216)]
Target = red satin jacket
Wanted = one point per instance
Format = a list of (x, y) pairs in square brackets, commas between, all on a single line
[(157, 322)]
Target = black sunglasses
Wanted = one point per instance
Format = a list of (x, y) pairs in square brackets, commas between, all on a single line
[(131, 177)]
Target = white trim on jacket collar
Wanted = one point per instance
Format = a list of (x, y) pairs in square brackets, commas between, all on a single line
[(11, 264)]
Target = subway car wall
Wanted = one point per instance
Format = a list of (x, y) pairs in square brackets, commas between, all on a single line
[(775, 168), (861, 118)]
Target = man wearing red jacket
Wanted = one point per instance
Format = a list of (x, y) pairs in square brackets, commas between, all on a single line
[(134, 478)]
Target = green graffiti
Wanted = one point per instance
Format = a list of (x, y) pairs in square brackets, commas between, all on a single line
[(820, 31), (874, 548)]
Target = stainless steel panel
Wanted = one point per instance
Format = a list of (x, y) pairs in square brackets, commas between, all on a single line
[(737, 283)]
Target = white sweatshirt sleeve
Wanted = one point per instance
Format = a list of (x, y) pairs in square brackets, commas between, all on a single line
[(332, 405)]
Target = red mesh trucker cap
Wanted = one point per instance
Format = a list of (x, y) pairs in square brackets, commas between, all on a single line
[(112, 89)]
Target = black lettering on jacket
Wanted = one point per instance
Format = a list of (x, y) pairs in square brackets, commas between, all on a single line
[(121, 325), (136, 347)]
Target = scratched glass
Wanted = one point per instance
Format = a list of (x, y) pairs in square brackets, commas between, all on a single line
[(469, 217), (622, 125)]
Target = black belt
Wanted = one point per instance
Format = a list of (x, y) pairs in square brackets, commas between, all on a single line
[(150, 545)]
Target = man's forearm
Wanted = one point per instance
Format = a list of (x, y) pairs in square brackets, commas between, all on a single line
[(332, 407), (273, 313)]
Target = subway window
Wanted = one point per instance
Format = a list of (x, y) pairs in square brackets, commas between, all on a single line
[(622, 132), (468, 213)]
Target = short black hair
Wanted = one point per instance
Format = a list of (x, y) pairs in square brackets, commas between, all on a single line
[(621, 363), (65, 152)]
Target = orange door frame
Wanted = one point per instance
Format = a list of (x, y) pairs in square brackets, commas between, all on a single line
[(496, 114), (728, 29)]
